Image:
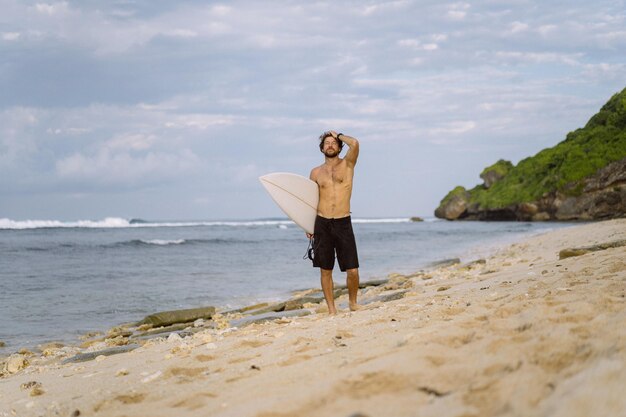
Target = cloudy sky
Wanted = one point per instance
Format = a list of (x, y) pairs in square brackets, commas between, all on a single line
[(171, 110)]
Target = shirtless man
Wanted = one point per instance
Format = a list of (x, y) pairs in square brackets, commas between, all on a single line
[(333, 225)]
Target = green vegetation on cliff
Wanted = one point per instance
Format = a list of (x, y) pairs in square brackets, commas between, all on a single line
[(457, 191), (582, 153), (500, 168)]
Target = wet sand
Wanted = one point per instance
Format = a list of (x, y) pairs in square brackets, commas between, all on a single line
[(523, 333)]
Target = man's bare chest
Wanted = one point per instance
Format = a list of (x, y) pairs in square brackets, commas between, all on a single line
[(333, 176)]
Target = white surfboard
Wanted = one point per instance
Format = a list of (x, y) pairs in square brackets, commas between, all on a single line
[(296, 195)]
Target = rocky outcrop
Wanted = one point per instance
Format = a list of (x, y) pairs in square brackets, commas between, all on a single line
[(583, 177), (454, 205), (599, 196)]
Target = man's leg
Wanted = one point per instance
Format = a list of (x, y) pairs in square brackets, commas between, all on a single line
[(352, 280), (327, 288)]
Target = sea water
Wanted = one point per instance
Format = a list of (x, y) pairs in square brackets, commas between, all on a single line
[(59, 280)]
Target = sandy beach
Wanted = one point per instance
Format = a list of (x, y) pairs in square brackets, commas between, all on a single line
[(521, 333)]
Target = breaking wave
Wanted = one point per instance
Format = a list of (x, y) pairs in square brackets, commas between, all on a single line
[(117, 222)]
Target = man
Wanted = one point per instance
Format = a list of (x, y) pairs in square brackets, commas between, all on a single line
[(333, 225)]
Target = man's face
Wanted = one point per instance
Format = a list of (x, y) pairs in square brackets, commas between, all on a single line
[(331, 147)]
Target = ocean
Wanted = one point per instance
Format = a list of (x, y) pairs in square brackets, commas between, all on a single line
[(59, 280)]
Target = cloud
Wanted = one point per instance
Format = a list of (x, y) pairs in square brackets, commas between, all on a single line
[(131, 142), (16, 141), (51, 8), (454, 128), (372, 9), (539, 57), (11, 36), (123, 169), (457, 11), (517, 27)]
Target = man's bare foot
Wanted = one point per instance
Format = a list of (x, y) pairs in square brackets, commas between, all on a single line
[(354, 307)]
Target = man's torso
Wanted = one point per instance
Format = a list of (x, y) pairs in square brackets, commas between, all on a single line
[(335, 185)]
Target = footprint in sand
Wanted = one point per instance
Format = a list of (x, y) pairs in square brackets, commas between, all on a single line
[(554, 359), (254, 343), (295, 359), (127, 399), (243, 359), (436, 360), (134, 398), (185, 375), (374, 383), (195, 401)]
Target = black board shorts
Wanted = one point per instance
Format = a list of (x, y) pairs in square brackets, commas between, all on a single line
[(332, 235)]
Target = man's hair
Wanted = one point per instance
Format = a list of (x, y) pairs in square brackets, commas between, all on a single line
[(327, 135)]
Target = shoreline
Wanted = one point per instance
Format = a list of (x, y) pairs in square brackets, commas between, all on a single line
[(420, 340)]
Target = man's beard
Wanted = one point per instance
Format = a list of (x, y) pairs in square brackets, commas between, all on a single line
[(331, 153)]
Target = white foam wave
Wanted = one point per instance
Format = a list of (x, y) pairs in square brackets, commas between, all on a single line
[(163, 242), (116, 222), (40, 224), (389, 220)]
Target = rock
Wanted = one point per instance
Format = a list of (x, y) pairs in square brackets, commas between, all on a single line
[(267, 309), (166, 318), (454, 205), (475, 263), (444, 263), (221, 321), (117, 341), (341, 289), (15, 363), (259, 318), (83, 357), (416, 219), (248, 308), (541, 217), (528, 209), (297, 303), (2, 344), (174, 337), (117, 332), (161, 330), (383, 298), (51, 346), (29, 385), (570, 252)]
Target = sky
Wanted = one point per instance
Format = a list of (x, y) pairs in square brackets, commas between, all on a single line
[(172, 110)]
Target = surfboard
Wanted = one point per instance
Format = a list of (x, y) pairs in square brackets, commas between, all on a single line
[(297, 197)]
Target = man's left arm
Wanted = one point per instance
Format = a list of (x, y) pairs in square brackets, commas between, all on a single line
[(353, 153)]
